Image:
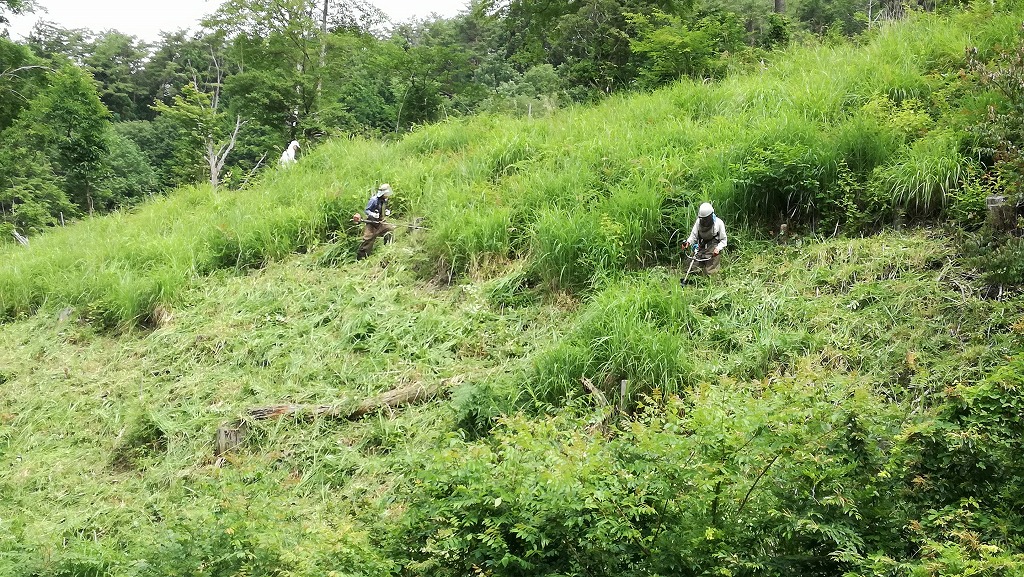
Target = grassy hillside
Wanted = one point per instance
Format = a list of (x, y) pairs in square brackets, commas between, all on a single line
[(806, 370), (831, 137), (826, 406)]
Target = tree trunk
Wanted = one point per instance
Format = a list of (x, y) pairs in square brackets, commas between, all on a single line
[(211, 158), (323, 51), (228, 438)]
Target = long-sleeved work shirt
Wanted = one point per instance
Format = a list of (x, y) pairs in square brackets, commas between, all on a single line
[(713, 238)]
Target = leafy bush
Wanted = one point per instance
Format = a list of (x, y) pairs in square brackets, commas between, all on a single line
[(967, 461), (707, 485), (668, 48), (778, 183), (999, 257), (250, 536), (1001, 127)]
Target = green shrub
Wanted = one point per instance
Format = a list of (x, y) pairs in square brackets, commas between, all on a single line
[(253, 536), (1000, 258), (968, 459), (713, 483), (777, 184)]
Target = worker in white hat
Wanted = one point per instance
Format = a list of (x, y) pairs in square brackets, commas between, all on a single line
[(709, 238)]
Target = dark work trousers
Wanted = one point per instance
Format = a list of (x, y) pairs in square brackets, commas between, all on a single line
[(370, 233)]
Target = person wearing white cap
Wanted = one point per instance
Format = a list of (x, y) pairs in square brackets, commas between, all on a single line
[(288, 156), (709, 236), (376, 211)]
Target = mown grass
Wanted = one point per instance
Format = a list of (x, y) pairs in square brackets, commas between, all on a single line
[(846, 305), (110, 436), (119, 429)]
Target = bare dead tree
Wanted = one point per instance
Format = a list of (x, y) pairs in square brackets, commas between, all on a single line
[(217, 155), (216, 151)]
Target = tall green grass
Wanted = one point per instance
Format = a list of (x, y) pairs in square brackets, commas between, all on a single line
[(923, 179), (584, 193), (117, 268)]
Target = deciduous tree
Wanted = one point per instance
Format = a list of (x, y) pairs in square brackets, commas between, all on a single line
[(117, 61), (206, 135), (68, 123), (21, 77)]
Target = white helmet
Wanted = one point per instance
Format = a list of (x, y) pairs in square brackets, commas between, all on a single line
[(385, 189), (705, 210)]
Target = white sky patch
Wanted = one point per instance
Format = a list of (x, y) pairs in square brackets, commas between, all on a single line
[(146, 19)]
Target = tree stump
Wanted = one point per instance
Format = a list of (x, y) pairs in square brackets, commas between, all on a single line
[(229, 438)]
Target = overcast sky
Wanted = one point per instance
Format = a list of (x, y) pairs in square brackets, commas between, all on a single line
[(146, 18)]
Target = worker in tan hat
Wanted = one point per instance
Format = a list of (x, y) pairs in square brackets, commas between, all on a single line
[(376, 211)]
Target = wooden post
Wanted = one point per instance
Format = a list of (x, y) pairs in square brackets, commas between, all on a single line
[(1001, 214), (623, 388)]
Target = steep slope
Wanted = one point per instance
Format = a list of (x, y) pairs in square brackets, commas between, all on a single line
[(808, 371), (830, 136), (825, 406)]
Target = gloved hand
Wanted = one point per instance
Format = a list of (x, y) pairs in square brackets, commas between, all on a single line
[(387, 212)]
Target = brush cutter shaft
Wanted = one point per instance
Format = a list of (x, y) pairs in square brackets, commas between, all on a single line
[(356, 218), (410, 225), (694, 260)]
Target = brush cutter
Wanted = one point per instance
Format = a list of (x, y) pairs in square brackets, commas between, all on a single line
[(695, 258)]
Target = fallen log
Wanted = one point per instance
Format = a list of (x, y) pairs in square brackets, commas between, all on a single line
[(392, 399), (233, 435)]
